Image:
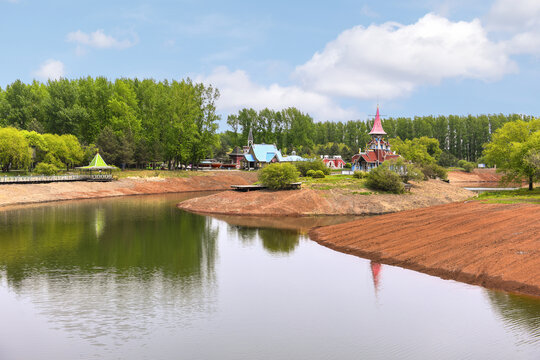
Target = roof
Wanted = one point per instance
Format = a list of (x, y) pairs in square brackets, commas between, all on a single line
[(377, 128), (262, 152), (249, 158), (97, 163), (378, 155), (293, 158), (236, 151)]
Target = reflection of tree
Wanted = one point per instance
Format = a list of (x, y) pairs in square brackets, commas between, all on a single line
[(125, 236), (517, 311), (273, 240), (106, 269)]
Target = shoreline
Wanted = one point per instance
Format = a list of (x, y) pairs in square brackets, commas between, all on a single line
[(491, 245)]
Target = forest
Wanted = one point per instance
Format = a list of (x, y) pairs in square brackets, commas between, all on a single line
[(146, 122)]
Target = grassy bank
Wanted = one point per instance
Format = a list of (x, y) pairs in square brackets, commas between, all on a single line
[(511, 197)]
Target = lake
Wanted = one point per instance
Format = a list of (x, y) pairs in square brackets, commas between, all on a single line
[(136, 278)]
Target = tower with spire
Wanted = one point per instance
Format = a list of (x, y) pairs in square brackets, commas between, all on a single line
[(377, 149)]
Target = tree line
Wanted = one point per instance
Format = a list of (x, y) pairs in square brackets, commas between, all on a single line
[(461, 137), (131, 121)]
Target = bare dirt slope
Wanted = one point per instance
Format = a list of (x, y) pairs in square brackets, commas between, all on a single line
[(35, 193), (307, 202), (493, 245)]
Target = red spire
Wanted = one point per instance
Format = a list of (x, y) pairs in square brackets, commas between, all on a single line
[(377, 126)]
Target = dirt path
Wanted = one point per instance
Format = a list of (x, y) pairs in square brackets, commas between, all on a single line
[(307, 202), (493, 245), (37, 193)]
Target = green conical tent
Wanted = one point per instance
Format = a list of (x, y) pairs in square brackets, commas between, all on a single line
[(97, 163)]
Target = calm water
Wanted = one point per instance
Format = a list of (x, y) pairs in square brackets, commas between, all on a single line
[(135, 278)]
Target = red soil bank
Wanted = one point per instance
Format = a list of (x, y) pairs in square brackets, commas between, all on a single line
[(493, 245), (36, 193)]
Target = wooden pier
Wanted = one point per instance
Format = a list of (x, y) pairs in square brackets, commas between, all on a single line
[(53, 178)]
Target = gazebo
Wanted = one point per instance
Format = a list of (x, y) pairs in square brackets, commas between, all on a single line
[(98, 170)]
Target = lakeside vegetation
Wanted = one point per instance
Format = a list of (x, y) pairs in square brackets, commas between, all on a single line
[(511, 196), (171, 124)]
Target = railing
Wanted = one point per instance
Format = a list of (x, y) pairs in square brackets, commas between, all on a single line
[(53, 178)]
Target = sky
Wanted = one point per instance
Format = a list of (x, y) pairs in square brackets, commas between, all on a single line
[(335, 60)]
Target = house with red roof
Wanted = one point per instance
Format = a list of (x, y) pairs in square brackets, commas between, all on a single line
[(333, 162), (377, 150)]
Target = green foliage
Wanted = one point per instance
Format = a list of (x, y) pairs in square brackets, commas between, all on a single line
[(382, 178), (317, 164), (310, 173), (433, 171), (447, 159), (514, 149), (45, 169), (14, 150), (406, 170), (348, 165), (466, 165), (358, 174), (420, 151), (318, 174), (278, 175)]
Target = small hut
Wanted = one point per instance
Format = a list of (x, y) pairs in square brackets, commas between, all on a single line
[(98, 170)]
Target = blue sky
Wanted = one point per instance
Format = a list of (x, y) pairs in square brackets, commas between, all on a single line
[(334, 60)]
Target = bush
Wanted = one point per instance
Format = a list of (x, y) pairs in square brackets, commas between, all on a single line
[(466, 165), (358, 174), (45, 169), (310, 173), (305, 166), (382, 178), (278, 175), (433, 171), (318, 174), (348, 165), (406, 170), (447, 159)]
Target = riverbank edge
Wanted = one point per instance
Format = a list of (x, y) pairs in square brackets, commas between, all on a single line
[(484, 279), (18, 195)]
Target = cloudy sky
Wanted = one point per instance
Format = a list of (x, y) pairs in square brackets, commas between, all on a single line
[(332, 59)]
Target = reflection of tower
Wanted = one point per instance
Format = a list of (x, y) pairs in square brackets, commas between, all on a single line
[(375, 272)]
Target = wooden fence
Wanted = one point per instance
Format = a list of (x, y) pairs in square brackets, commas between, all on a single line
[(53, 178)]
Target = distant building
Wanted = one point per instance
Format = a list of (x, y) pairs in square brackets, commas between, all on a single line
[(255, 156), (377, 150), (334, 162)]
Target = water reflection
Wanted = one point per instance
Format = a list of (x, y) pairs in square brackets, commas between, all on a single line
[(517, 312), (105, 264), (275, 241), (376, 275)]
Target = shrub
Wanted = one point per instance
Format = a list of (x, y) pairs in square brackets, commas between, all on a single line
[(348, 165), (447, 159), (466, 165), (278, 175), (433, 171), (310, 173), (305, 166), (45, 169), (382, 178), (406, 170), (358, 174), (318, 174)]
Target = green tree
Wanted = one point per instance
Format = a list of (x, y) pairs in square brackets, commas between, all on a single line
[(513, 149), (14, 150)]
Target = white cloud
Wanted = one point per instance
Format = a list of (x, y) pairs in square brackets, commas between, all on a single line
[(520, 19), (238, 91), (51, 69), (99, 40), (392, 60)]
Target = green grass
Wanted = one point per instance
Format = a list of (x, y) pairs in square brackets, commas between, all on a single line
[(330, 182), (511, 197)]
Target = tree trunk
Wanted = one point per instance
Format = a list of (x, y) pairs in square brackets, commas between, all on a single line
[(530, 182)]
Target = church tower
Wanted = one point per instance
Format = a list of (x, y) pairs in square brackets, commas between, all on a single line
[(250, 137)]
